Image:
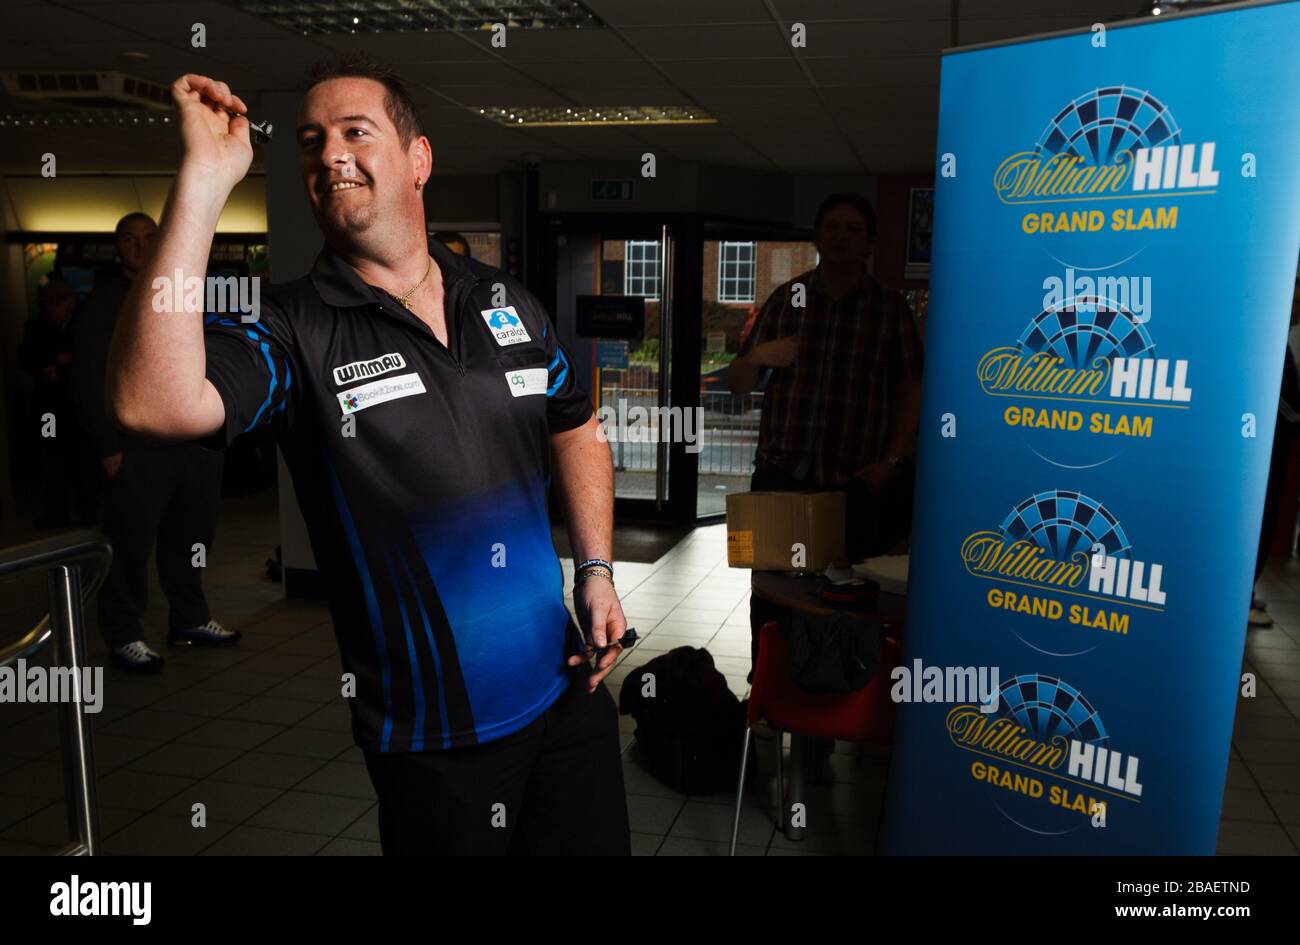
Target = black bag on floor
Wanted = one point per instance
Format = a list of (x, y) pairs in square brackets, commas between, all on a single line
[(688, 723)]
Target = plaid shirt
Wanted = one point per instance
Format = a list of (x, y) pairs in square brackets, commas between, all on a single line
[(831, 412)]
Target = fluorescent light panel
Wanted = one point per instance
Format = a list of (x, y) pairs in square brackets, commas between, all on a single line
[(599, 116), (102, 117)]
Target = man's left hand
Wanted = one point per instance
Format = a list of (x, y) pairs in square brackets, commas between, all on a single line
[(600, 617), (877, 475)]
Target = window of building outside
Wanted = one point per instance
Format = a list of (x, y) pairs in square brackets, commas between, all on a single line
[(485, 247), (641, 269), (737, 271)]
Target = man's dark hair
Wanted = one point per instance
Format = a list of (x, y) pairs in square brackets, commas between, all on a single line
[(856, 201), (398, 104), (55, 290), (133, 215)]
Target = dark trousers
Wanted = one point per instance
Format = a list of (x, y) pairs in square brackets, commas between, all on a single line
[(169, 495), (67, 471), (1277, 466), (554, 787)]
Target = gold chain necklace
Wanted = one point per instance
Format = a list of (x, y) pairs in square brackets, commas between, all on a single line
[(406, 297)]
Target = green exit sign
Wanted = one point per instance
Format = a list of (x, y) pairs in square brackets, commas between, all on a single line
[(611, 190)]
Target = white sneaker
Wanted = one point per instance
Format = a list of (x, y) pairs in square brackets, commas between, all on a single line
[(137, 657), (210, 634)]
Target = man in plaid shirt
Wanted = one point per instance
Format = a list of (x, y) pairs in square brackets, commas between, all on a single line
[(841, 409)]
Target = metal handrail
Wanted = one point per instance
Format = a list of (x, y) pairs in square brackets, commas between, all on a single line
[(65, 557), (77, 547)]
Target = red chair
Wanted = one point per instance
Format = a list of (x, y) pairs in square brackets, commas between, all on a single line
[(866, 715)]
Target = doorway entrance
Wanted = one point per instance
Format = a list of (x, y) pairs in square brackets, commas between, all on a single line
[(653, 309)]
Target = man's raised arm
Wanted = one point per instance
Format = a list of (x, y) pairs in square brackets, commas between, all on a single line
[(156, 383)]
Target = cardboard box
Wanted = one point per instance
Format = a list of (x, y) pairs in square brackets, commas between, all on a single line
[(764, 527)]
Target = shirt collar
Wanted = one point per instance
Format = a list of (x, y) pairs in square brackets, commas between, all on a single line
[(338, 284), (819, 284)]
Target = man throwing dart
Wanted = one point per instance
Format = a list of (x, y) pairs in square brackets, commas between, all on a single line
[(421, 428)]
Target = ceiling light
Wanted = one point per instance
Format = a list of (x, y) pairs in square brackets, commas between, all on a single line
[(556, 117), (121, 116)]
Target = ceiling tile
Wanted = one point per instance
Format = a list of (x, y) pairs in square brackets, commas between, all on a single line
[(1091, 10), (631, 73), (672, 12), (602, 95), (735, 72), (35, 56), (876, 70), (172, 22), (448, 75), (409, 47), (772, 96), (809, 11), (725, 41), (535, 45), (789, 119), (858, 39), (481, 95), (67, 25)]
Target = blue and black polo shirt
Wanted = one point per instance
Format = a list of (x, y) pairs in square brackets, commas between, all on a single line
[(421, 471)]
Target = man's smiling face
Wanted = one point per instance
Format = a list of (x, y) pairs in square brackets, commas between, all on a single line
[(352, 158)]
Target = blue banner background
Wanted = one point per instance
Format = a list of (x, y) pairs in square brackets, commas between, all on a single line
[(1190, 497)]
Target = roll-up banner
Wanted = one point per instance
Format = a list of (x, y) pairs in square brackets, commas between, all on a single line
[(1117, 222)]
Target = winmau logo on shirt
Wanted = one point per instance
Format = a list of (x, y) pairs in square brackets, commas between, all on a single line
[(373, 367), (76, 898)]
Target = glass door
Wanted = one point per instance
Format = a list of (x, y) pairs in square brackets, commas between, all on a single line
[(681, 441), (612, 302), (742, 265)]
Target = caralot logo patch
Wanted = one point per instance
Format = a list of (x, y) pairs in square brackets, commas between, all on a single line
[(1047, 755), (1067, 543), (371, 367), (506, 325), (378, 392)]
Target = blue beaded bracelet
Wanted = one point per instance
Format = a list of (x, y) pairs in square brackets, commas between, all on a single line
[(594, 563)]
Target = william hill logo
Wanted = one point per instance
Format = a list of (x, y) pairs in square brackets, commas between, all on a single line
[(1089, 344), (1046, 730), (1111, 140), (1066, 543)]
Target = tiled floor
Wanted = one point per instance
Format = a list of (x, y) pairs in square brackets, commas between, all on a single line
[(260, 737)]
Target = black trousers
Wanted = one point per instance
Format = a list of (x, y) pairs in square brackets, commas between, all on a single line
[(67, 469), (553, 788), (168, 495)]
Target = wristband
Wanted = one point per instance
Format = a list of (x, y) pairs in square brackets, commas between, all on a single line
[(594, 571), (597, 563)]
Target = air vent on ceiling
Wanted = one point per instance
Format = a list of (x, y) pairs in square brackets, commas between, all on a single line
[(88, 89)]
